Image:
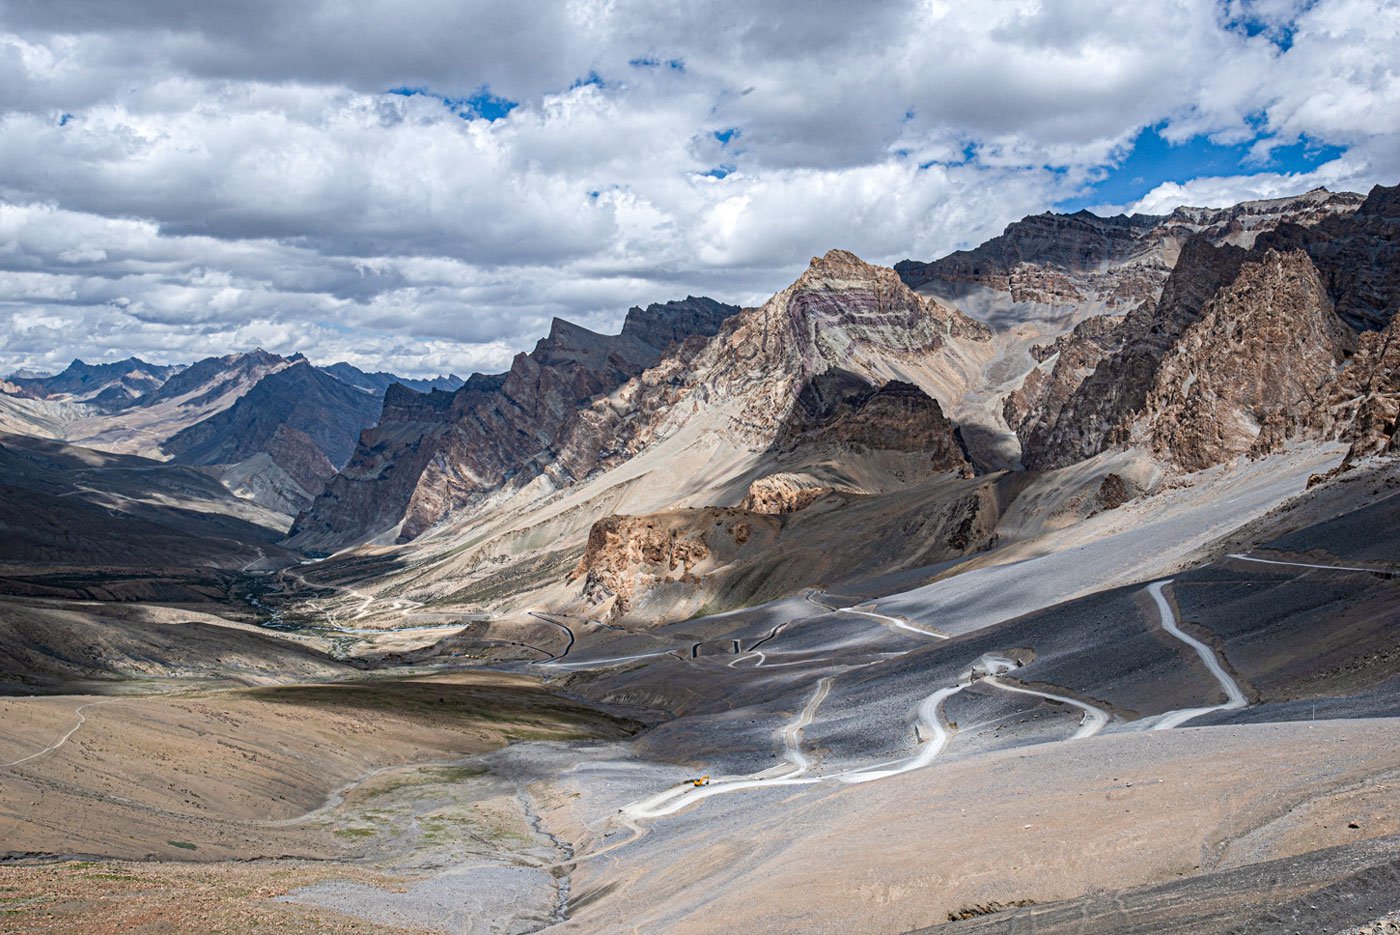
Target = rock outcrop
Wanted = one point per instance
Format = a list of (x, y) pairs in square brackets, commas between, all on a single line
[(1251, 373), (1098, 414), (1033, 410), (675, 563), (839, 410), (784, 492), (631, 558), (1243, 350), (1364, 402)]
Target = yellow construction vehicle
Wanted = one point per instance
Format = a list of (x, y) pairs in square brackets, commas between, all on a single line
[(702, 781)]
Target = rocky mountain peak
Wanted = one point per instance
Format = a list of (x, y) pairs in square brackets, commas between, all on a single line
[(1080, 264), (1097, 413), (840, 264), (663, 324), (1252, 370), (1244, 349)]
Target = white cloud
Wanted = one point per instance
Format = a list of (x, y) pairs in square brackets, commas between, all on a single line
[(185, 178)]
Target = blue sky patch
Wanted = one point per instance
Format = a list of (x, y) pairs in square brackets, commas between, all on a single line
[(724, 136), (481, 105), (674, 64), (1152, 160), (1280, 34), (719, 172), (969, 153)]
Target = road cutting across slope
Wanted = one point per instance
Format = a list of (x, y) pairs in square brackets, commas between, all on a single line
[(599, 663), (886, 618), (1272, 561), (893, 621), (567, 632), (753, 651), (1094, 720), (82, 719), (1233, 693), (796, 764)]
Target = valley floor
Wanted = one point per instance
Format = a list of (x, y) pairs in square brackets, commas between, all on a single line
[(1180, 716)]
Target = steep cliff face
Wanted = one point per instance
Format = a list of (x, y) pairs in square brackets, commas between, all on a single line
[(1252, 371), (843, 431), (1243, 350), (1357, 257), (1099, 412), (370, 492), (839, 410), (1033, 409), (1364, 401), (438, 451), (1080, 243)]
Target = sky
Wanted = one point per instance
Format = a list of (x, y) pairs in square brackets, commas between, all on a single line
[(420, 186)]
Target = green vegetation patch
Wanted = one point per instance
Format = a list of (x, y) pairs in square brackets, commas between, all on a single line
[(511, 710)]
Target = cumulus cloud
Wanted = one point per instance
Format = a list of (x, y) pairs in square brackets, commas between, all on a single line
[(351, 180)]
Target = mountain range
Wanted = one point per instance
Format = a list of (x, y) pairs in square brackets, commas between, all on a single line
[(880, 605), (276, 428), (1151, 347)]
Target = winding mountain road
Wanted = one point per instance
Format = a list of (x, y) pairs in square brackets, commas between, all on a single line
[(567, 632), (1233, 693), (930, 718), (1272, 561), (1094, 720), (796, 764), (752, 651), (893, 621)]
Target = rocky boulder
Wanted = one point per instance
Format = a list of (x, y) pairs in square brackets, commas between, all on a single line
[(631, 558)]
